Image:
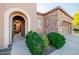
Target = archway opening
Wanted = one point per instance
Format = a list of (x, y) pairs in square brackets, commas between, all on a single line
[(8, 23), (18, 26)]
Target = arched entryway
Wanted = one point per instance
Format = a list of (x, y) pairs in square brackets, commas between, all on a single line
[(18, 26), (10, 18)]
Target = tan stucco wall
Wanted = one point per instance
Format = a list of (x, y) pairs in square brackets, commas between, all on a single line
[(40, 17), (30, 8), (63, 17)]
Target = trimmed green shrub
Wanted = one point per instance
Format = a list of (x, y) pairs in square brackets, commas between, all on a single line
[(75, 29), (45, 41), (34, 43), (56, 40)]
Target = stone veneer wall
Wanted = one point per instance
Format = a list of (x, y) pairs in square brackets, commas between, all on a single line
[(63, 17), (51, 22)]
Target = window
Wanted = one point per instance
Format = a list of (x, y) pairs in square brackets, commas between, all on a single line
[(39, 23)]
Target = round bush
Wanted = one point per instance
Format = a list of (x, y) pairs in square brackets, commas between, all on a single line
[(34, 43), (45, 41), (56, 40)]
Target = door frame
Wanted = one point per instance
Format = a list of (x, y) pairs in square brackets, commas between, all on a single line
[(69, 28)]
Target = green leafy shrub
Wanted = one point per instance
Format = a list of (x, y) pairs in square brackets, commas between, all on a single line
[(34, 43), (45, 41), (75, 29), (56, 40)]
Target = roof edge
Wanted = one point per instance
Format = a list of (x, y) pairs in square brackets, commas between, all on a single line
[(56, 8), (39, 13)]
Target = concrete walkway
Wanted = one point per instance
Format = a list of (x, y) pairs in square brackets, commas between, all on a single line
[(70, 48), (19, 47)]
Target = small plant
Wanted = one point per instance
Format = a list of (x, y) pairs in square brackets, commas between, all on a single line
[(45, 41), (56, 40)]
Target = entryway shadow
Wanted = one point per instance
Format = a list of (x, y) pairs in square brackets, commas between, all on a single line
[(6, 51)]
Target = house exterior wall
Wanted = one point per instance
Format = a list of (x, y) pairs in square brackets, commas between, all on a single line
[(41, 28), (30, 8), (51, 22), (63, 17), (57, 21)]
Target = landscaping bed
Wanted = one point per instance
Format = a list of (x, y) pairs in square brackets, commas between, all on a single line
[(43, 44), (6, 51)]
